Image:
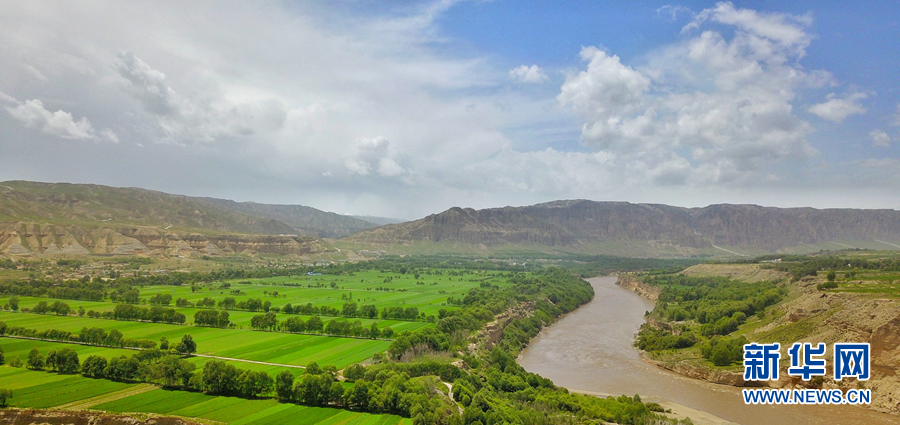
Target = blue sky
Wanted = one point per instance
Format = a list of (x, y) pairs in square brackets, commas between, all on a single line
[(410, 108)]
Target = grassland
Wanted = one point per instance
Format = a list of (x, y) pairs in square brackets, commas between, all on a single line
[(270, 347), (48, 390)]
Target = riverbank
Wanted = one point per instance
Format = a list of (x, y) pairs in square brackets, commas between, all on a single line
[(591, 350)]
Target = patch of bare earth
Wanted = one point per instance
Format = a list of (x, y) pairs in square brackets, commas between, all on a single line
[(56, 417), (750, 273)]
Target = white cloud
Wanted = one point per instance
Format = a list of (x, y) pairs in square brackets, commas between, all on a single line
[(33, 114), (837, 109), (784, 30), (673, 11), (605, 91), (59, 123), (203, 118), (528, 74), (880, 138), (710, 110), (374, 155), (280, 102)]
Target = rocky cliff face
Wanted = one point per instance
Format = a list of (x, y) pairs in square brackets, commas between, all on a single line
[(569, 224)]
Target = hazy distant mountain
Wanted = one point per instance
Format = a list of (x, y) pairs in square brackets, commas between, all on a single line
[(381, 221), (646, 229), (305, 219)]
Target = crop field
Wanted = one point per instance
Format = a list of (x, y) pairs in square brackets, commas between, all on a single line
[(48, 390), (428, 293), (15, 347), (42, 390), (240, 318), (272, 347)]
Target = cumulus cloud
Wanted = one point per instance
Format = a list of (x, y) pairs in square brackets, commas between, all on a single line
[(374, 156), (880, 138), (278, 103), (784, 30), (62, 124), (837, 109), (528, 74), (710, 110)]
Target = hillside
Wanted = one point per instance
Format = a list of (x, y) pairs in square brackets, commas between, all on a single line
[(304, 219), (62, 218), (624, 228)]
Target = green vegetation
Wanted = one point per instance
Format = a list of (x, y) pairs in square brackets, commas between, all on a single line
[(47, 390), (704, 310), (245, 344), (431, 309)]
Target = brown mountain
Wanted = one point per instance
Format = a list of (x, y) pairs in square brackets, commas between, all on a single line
[(617, 227), (62, 218)]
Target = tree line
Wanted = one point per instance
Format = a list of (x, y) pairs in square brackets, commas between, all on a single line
[(97, 336)]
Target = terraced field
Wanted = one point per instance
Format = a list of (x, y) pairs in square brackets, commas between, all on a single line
[(270, 347), (49, 390)]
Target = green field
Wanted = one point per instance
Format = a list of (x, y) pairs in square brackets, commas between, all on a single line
[(14, 347), (47, 390), (404, 290), (272, 347), (241, 319)]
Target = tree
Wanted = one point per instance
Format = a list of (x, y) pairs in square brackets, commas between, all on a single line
[(831, 276), (2, 360), (163, 343), (357, 397), (186, 345), (81, 311), (35, 359), (114, 338), (60, 308), (354, 372), (66, 361), (16, 362), (94, 367), (13, 303), (284, 386), (314, 324), (51, 360), (313, 369), (5, 394), (223, 319)]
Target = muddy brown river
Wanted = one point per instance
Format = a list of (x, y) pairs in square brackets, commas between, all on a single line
[(590, 350)]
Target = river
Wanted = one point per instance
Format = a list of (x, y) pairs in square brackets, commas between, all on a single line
[(590, 350)]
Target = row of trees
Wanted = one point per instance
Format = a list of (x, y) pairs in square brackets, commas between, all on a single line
[(219, 319), (99, 337), (82, 289), (343, 327), (57, 307), (156, 314)]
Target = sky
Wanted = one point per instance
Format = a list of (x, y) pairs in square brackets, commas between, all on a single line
[(403, 109)]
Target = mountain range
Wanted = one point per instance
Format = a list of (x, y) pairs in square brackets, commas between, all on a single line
[(623, 228), (62, 218)]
